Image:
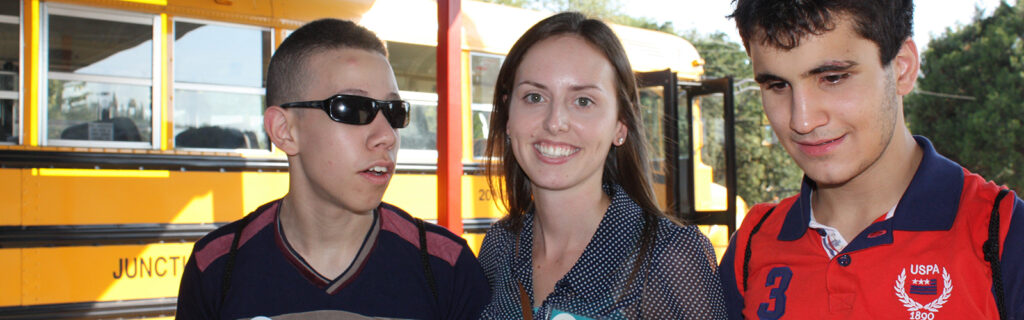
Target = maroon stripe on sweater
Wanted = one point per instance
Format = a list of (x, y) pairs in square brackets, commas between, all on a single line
[(222, 245), (437, 245)]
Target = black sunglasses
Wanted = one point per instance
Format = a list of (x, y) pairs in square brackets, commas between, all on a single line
[(358, 110)]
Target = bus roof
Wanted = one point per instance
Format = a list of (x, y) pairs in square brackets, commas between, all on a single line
[(493, 28), (486, 27)]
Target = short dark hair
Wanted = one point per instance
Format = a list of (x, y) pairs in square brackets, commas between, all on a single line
[(285, 78), (782, 23)]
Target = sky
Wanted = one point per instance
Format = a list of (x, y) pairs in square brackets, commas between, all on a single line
[(931, 17)]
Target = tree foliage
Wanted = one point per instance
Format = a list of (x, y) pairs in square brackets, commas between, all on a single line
[(976, 117)]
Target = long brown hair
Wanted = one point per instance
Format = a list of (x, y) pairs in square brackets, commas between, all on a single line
[(626, 165)]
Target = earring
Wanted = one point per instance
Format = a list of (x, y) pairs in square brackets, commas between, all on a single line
[(621, 140)]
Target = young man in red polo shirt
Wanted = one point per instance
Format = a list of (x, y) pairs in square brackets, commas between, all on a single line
[(883, 227)]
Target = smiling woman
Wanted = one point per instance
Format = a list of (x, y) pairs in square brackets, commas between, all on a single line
[(564, 111), (584, 236)]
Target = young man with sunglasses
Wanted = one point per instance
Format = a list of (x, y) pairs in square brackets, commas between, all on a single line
[(330, 248), (884, 227)]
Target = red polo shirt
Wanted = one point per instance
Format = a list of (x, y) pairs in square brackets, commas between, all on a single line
[(924, 263)]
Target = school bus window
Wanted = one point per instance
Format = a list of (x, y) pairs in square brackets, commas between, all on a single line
[(651, 102), (11, 9), (484, 73), (82, 110), (421, 134), (652, 113), (9, 63), (415, 71), (481, 127), (419, 138), (219, 85), (220, 54), (415, 66), (100, 80)]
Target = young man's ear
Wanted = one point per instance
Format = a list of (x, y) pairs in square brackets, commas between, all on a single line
[(905, 65), (279, 124)]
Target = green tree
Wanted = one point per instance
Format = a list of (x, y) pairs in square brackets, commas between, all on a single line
[(970, 101), (764, 172)]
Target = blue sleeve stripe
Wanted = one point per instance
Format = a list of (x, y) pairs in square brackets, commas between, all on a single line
[(1013, 263), (727, 273)]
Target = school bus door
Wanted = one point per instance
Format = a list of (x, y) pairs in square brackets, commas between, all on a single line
[(697, 142)]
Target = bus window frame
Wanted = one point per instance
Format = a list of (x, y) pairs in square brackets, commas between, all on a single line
[(155, 80), (174, 85), (399, 73), (417, 156), (18, 96), (691, 92)]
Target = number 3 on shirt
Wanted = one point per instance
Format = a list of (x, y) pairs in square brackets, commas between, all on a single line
[(780, 275)]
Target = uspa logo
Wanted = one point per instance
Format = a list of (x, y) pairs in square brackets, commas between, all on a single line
[(924, 284)]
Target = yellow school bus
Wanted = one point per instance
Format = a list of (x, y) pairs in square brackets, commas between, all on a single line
[(131, 128)]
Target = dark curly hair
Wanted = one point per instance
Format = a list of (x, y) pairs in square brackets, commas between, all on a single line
[(782, 23)]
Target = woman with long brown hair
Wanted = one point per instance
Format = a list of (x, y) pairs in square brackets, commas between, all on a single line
[(584, 236)]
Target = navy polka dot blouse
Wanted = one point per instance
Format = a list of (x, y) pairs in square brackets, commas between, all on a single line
[(679, 280)]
